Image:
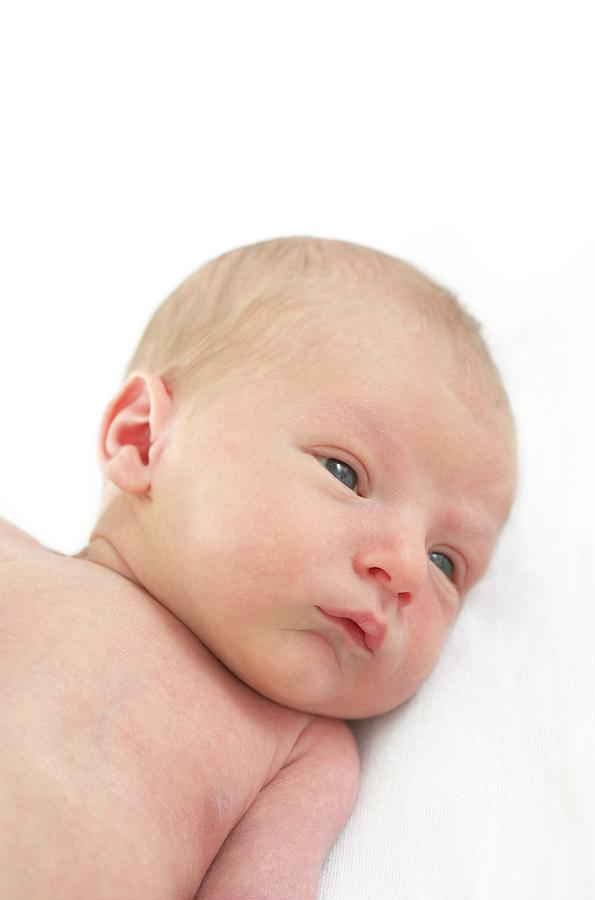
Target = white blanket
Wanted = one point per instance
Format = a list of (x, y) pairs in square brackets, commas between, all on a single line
[(483, 785)]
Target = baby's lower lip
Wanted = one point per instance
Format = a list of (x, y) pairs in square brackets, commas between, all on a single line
[(349, 627)]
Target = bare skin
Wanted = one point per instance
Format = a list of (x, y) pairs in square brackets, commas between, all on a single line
[(128, 752), (174, 693)]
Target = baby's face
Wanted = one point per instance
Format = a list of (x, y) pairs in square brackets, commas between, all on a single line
[(361, 483)]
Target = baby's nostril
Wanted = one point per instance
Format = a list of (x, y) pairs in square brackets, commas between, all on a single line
[(380, 572), (404, 597)]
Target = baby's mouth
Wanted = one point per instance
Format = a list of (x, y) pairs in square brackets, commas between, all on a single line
[(369, 634)]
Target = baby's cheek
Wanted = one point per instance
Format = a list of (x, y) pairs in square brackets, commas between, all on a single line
[(289, 543), (428, 629)]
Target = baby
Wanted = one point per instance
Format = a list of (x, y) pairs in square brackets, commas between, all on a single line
[(307, 468)]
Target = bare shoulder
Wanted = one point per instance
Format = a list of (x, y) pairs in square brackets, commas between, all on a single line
[(15, 542), (41, 579)]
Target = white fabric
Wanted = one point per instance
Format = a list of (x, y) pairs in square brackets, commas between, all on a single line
[(483, 785)]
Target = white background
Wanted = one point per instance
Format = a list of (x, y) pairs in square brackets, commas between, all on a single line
[(140, 139)]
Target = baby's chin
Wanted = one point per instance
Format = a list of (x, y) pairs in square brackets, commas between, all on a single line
[(339, 707), (323, 698)]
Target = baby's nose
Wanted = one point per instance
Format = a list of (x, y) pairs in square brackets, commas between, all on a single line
[(398, 562)]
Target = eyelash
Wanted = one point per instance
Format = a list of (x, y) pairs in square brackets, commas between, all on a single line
[(453, 578)]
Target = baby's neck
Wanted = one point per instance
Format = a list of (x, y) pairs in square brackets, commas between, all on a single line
[(100, 550)]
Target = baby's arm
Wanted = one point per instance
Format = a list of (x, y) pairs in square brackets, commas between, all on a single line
[(276, 850)]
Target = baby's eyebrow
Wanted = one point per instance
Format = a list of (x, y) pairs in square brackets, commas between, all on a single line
[(367, 421)]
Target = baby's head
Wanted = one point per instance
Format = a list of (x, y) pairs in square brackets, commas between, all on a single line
[(309, 427)]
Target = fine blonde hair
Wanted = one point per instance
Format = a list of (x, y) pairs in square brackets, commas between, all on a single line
[(247, 308)]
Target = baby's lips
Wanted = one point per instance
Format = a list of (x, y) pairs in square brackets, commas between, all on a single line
[(373, 627), (374, 633)]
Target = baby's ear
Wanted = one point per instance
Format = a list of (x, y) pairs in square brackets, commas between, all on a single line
[(133, 422)]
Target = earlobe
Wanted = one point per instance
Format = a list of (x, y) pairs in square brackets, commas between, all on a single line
[(133, 422), (126, 470)]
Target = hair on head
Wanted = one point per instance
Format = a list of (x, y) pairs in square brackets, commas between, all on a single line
[(246, 308)]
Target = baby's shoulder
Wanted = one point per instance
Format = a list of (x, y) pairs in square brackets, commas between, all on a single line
[(35, 581), (14, 542), (28, 570)]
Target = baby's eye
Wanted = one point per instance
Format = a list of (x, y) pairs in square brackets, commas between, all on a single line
[(341, 470), (445, 563)]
